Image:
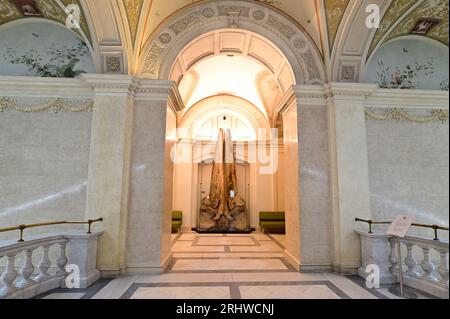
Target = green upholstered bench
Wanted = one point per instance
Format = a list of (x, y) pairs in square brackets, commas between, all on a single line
[(177, 221), (272, 222)]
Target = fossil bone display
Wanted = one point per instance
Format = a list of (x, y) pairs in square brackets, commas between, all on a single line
[(223, 209)]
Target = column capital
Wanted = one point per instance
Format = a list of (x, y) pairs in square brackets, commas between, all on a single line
[(311, 95), (159, 90), (110, 84), (350, 91)]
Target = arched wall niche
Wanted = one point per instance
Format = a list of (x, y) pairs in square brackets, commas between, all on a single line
[(162, 49), (234, 104), (409, 62)]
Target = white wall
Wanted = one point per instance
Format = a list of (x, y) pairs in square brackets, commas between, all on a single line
[(409, 171), (43, 168)]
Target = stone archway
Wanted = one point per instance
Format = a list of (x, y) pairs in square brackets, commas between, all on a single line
[(298, 51), (163, 47)]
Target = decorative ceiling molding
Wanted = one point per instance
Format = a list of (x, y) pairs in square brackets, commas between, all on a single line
[(133, 10), (334, 12)]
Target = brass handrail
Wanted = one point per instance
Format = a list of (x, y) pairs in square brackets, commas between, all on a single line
[(372, 222), (23, 227)]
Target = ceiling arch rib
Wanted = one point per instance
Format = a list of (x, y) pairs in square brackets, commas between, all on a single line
[(353, 38), (110, 36), (180, 29), (302, 12)]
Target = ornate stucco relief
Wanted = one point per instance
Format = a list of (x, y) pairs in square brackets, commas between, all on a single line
[(52, 105), (396, 114), (334, 11), (83, 22), (248, 13), (133, 9)]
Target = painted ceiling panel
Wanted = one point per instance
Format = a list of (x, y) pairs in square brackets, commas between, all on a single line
[(334, 12), (395, 11), (133, 9), (429, 9), (10, 10)]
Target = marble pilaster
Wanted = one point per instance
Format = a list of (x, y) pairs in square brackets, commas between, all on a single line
[(349, 169), (109, 168), (151, 192)]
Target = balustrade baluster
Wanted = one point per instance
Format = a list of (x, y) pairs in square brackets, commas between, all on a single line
[(44, 265), (62, 260), (8, 276), (27, 270), (428, 267), (411, 262), (443, 267), (393, 257)]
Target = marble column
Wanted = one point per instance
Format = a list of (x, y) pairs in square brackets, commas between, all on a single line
[(349, 169), (109, 167), (151, 194)]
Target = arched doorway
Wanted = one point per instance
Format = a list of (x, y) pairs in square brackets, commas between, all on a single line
[(257, 60)]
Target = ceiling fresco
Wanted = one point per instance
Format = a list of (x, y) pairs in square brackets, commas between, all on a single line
[(334, 12), (404, 17), (11, 10), (120, 29)]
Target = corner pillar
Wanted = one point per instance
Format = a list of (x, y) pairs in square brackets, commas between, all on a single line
[(349, 170), (154, 134), (109, 167)]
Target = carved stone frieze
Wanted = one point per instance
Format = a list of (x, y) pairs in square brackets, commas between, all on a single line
[(396, 114), (52, 105)]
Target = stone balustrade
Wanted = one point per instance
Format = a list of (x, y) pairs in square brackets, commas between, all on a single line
[(421, 271), (28, 279)]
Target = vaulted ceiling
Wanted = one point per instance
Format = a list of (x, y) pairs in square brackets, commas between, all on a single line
[(120, 29)]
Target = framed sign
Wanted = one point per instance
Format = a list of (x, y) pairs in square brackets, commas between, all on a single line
[(400, 226)]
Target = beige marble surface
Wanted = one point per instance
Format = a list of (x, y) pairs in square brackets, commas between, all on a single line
[(182, 293), (229, 264), (287, 292), (225, 241)]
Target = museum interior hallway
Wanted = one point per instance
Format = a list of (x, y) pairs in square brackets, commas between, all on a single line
[(224, 266)]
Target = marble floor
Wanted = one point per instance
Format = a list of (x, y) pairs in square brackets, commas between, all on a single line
[(220, 266)]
